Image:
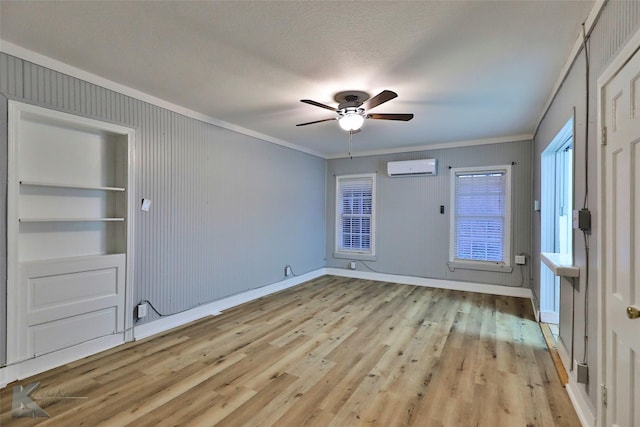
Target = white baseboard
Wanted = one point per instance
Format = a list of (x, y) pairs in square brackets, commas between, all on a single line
[(216, 307), (581, 405), (536, 312), (45, 362), (435, 283), (549, 317), (577, 396)]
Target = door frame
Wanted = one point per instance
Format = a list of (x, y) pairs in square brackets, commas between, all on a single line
[(624, 55), (16, 369)]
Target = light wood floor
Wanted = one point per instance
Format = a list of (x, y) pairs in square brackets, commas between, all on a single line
[(332, 352)]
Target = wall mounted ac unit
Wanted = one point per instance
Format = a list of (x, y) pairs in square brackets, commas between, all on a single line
[(424, 167)]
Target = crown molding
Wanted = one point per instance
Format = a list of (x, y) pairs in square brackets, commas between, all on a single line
[(440, 146), (61, 67)]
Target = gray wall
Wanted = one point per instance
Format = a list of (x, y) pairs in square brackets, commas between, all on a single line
[(619, 21), (229, 211), (412, 235)]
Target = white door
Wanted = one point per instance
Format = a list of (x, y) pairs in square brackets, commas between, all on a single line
[(621, 248)]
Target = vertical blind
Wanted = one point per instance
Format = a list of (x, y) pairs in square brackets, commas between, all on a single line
[(354, 214), (480, 216)]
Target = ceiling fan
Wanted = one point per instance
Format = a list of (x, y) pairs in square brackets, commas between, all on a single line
[(352, 110)]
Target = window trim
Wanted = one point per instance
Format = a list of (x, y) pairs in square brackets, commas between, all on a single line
[(505, 265), (355, 254)]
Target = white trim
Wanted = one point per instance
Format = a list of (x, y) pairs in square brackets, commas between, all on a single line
[(440, 146), (45, 362), (536, 312), (549, 317), (609, 72), (131, 211), (577, 45), (217, 307), (482, 288), (618, 62), (580, 404), (53, 64), (12, 230)]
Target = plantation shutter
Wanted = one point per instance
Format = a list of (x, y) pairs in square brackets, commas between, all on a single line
[(355, 214)]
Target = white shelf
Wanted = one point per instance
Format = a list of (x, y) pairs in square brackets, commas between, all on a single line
[(70, 219), (72, 186), (560, 264)]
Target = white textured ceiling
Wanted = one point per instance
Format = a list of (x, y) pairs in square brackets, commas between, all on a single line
[(468, 70)]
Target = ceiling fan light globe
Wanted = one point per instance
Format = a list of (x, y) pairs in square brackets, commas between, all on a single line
[(351, 121)]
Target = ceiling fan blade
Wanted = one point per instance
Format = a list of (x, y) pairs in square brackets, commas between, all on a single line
[(317, 104), (317, 121), (401, 117), (381, 98)]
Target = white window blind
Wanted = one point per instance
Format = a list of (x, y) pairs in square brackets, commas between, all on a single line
[(481, 215), (355, 213)]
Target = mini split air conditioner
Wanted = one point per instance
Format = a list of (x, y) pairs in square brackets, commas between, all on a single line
[(424, 167)]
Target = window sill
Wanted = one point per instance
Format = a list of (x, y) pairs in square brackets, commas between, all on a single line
[(354, 256), (483, 266), (560, 264)]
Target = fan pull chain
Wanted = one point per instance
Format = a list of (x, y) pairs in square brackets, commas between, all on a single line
[(350, 136)]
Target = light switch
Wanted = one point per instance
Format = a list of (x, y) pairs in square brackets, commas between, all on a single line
[(146, 204)]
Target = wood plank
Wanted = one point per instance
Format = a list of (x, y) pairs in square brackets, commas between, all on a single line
[(552, 346)]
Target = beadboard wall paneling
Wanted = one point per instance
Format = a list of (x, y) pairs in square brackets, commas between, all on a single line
[(10, 75), (412, 235), (228, 211), (618, 21)]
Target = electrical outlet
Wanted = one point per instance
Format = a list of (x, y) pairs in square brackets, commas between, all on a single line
[(352, 265), (141, 311), (521, 259), (582, 373), (287, 271)]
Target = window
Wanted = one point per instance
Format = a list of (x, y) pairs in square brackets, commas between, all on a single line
[(481, 218), (355, 214), (556, 220)]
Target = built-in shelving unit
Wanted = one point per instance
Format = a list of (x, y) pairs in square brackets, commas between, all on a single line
[(560, 264), (68, 230)]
